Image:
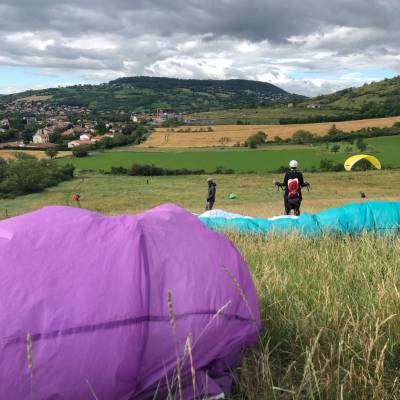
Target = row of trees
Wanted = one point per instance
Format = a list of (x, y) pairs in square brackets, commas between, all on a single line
[(336, 135), (152, 170)]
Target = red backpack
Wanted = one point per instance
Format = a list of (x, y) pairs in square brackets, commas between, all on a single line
[(293, 188)]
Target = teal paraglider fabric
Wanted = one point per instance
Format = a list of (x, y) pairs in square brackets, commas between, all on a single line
[(381, 217)]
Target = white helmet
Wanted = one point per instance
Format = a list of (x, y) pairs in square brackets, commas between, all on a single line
[(293, 164)]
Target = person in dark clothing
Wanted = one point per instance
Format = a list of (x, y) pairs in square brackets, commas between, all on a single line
[(212, 189), (292, 183)]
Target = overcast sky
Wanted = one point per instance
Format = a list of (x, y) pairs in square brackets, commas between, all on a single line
[(304, 46)]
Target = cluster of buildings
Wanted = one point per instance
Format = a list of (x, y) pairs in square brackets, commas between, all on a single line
[(87, 138), (157, 118), (84, 133), (56, 119), (42, 108)]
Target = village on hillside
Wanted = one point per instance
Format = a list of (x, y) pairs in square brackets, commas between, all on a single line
[(37, 124)]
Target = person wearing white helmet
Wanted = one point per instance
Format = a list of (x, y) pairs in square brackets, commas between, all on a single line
[(293, 164), (292, 183)]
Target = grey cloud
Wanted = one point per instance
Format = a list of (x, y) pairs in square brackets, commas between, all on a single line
[(274, 20), (254, 39)]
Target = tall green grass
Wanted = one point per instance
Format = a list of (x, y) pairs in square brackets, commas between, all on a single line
[(330, 311)]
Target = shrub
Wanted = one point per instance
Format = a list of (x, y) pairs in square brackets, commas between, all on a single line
[(257, 139), (223, 170), (28, 175), (302, 137), (81, 151), (361, 144), (328, 165), (51, 152), (119, 170)]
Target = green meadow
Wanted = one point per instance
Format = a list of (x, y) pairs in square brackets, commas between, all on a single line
[(265, 159)]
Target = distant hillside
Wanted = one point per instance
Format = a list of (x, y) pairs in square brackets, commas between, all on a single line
[(378, 99), (147, 94), (375, 100)]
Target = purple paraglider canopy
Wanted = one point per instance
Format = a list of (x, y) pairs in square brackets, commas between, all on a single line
[(110, 306)]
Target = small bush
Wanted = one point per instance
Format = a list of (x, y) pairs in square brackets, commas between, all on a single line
[(223, 170), (80, 151), (51, 152), (257, 139), (328, 165), (119, 171), (361, 145), (303, 137), (335, 148)]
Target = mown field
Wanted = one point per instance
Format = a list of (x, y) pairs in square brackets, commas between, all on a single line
[(9, 154), (265, 159), (329, 306), (200, 136)]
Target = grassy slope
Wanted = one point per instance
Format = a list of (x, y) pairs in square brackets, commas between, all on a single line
[(339, 103), (329, 307), (260, 115), (355, 98), (123, 194), (242, 160)]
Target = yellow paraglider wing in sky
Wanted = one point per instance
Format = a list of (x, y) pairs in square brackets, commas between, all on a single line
[(348, 164)]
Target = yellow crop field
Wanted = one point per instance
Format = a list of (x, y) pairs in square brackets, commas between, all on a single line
[(9, 154), (229, 135)]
